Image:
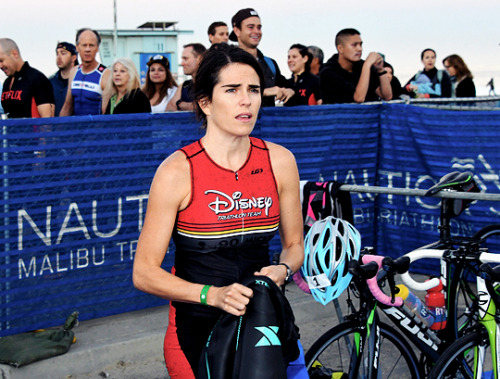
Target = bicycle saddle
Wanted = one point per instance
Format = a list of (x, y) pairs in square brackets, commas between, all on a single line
[(454, 180)]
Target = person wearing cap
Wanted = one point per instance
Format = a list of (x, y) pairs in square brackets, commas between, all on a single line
[(26, 92), (88, 80), (66, 59), (160, 85), (218, 32), (247, 31)]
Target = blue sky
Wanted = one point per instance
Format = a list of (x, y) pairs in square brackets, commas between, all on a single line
[(399, 29)]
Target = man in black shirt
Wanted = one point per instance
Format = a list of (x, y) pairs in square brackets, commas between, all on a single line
[(26, 91), (247, 31), (346, 78)]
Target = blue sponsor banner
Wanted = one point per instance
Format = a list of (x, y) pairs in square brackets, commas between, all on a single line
[(417, 147), (74, 192)]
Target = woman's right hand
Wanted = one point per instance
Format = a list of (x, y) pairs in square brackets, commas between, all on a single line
[(233, 298)]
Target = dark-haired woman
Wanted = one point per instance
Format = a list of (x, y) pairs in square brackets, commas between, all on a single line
[(201, 196), (461, 77), (160, 85), (430, 82), (306, 85)]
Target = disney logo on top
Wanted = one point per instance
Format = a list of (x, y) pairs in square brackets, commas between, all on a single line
[(224, 203)]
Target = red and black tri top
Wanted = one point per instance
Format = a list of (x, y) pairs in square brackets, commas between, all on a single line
[(223, 234)]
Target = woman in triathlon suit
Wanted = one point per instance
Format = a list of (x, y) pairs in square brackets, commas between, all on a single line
[(221, 199)]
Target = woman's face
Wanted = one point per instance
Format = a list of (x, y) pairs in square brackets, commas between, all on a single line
[(235, 101), (120, 76), (296, 62), (451, 70), (157, 73), (429, 60)]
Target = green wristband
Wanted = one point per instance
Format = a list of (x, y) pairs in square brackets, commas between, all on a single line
[(203, 294)]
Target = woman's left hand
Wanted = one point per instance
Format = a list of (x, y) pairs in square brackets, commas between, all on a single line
[(277, 273)]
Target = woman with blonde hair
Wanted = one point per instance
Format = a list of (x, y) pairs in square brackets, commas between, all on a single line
[(160, 85), (461, 77), (123, 93)]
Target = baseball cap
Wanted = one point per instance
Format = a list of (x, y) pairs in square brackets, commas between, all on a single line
[(241, 15), (158, 58), (67, 46)]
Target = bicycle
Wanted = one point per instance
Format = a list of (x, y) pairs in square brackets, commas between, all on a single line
[(355, 347), (475, 355), (454, 272)]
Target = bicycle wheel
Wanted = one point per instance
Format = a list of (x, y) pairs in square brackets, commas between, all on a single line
[(491, 236), (458, 360), (331, 356)]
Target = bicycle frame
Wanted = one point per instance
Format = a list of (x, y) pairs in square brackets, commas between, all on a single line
[(462, 259), (488, 320), (403, 319)]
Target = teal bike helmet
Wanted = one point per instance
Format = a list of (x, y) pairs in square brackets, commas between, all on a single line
[(330, 245)]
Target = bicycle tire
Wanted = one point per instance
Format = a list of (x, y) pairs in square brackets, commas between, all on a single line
[(488, 231), (492, 233), (330, 350), (456, 361)]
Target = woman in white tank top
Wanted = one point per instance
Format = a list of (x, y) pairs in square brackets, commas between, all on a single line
[(160, 85)]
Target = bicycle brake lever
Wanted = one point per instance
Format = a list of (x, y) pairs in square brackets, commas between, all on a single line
[(388, 266)]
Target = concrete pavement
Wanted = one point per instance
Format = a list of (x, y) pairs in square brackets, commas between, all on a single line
[(130, 345)]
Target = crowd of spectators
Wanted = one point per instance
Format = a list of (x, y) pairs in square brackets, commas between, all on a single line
[(88, 87)]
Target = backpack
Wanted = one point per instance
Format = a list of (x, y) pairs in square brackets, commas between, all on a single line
[(271, 65), (323, 199)]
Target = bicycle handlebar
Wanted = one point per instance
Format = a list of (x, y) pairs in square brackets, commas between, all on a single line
[(489, 258), (415, 255), (436, 254), (373, 283)]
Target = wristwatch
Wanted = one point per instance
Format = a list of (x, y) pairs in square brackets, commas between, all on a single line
[(289, 271)]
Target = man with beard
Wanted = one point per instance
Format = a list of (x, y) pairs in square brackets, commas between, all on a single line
[(66, 59)]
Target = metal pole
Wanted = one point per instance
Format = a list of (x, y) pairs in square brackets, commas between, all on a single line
[(421, 193), (5, 171), (115, 32)]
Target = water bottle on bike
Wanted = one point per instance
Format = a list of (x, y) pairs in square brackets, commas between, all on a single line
[(415, 305), (436, 304)]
